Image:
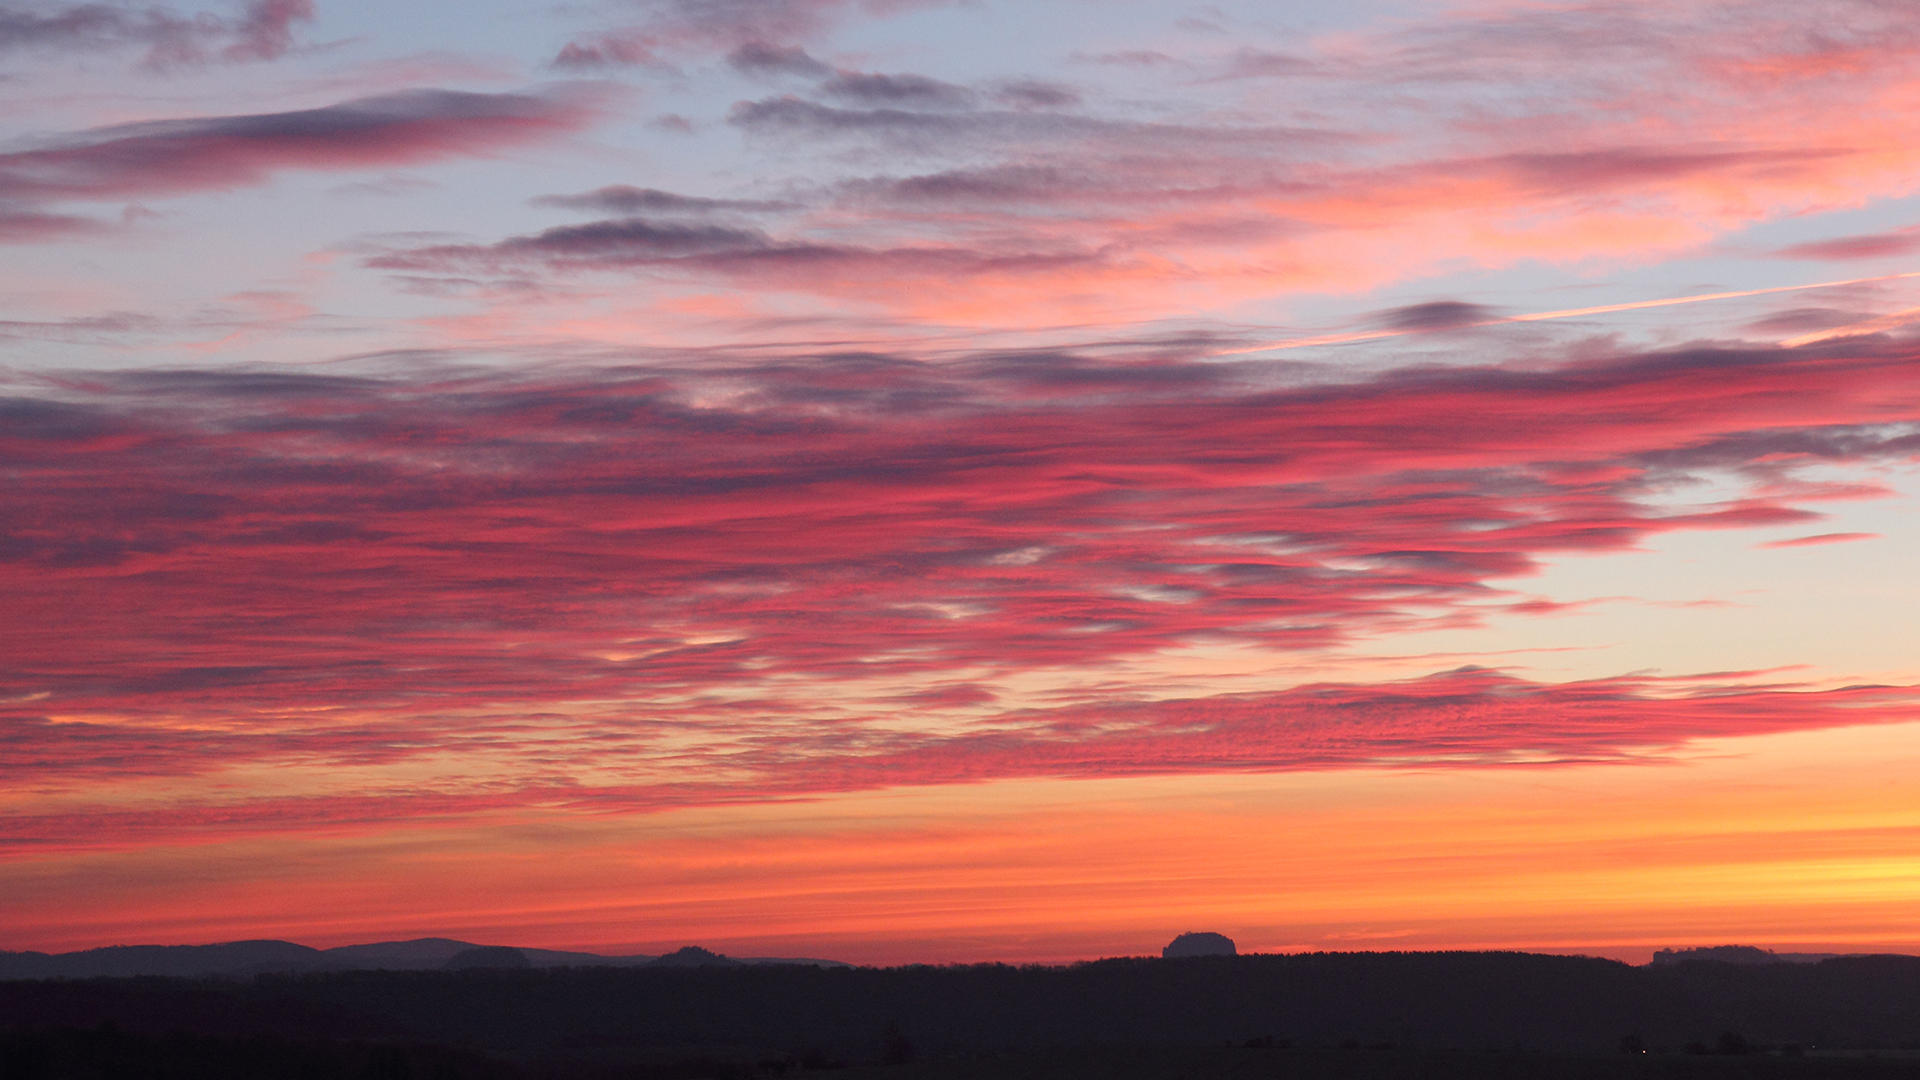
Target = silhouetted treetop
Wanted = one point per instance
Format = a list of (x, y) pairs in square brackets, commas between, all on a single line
[(1199, 944), (694, 956)]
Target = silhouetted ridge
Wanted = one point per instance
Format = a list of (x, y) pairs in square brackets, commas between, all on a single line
[(184, 961), (401, 955), (247, 958)]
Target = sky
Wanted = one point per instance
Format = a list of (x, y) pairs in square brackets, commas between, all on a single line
[(925, 481)]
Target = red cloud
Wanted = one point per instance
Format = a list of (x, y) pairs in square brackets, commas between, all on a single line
[(710, 566), (1470, 717)]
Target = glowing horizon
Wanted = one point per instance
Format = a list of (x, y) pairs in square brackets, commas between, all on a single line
[(927, 481)]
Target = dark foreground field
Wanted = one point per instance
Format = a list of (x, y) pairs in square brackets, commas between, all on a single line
[(1211, 1063), (1356, 1016), (109, 1055)]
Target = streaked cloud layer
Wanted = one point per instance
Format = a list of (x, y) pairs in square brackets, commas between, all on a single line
[(704, 404)]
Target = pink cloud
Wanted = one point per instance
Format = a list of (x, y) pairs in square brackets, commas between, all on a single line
[(1821, 538), (1876, 246), (1002, 207), (1156, 218), (30, 227)]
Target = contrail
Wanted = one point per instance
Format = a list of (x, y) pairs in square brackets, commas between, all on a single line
[(1603, 309)]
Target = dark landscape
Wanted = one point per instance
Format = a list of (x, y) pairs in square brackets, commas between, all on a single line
[(1321, 1016)]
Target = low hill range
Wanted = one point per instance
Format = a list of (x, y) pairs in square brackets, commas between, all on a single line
[(240, 959)]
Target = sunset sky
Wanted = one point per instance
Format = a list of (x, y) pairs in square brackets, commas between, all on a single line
[(908, 480)]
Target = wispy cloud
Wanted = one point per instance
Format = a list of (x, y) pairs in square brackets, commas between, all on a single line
[(164, 157), (626, 199), (1396, 160), (666, 28), (1821, 538), (1873, 246), (201, 153), (261, 30), (897, 91), (1470, 718), (760, 58)]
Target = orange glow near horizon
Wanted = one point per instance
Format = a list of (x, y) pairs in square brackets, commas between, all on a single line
[(1806, 842)]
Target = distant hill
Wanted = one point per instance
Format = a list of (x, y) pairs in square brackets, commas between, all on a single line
[(121, 961), (418, 954), (429, 954), (238, 959)]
